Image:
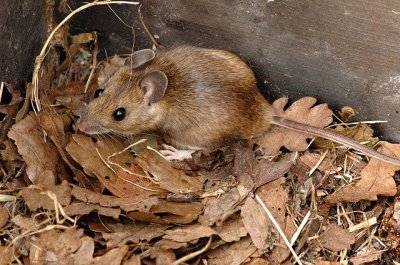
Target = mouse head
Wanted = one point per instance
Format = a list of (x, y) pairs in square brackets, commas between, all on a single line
[(127, 104)]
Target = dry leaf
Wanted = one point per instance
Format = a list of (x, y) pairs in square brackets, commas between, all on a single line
[(132, 232), (141, 202), (232, 229), (258, 261), (324, 262), (133, 260), (232, 254), (367, 258), (10, 151), (257, 224), (174, 212), (55, 247), (168, 178), (39, 155), (163, 256), (336, 238), (36, 197), (312, 159), (83, 209), (112, 257), (376, 179), (69, 95), (26, 223), (281, 254), (86, 152), (170, 244), (266, 171), (275, 198), (346, 113), (189, 233), (3, 217), (6, 254), (216, 208), (84, 255), (302, 111), (391, 227), (262, 172)]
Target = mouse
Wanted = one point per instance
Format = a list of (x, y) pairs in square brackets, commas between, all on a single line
[(195, 99)]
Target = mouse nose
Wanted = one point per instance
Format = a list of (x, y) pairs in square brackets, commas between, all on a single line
[(82, 125)]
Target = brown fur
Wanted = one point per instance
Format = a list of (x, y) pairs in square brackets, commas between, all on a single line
[(211, 100)]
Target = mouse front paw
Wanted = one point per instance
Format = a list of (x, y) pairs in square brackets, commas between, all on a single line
[(171, 153)]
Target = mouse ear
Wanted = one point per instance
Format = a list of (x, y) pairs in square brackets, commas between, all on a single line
[(140, 58), (153, 86)]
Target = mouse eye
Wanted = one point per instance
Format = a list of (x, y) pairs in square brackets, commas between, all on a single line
[(98, 92), (119, 114)]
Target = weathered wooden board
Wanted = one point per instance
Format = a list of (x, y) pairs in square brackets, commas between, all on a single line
[(22, 32)]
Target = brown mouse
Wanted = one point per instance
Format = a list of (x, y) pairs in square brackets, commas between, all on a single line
[(195, 98)]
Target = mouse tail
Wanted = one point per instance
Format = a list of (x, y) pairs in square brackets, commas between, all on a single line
[(318, 132)]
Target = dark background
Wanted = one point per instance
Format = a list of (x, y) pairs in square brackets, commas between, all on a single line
[(341, 52)]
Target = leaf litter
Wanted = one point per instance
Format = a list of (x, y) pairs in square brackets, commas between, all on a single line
[(68, 198)]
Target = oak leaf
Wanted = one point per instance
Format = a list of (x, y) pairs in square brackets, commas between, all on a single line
[(376, 179), (302, 111)]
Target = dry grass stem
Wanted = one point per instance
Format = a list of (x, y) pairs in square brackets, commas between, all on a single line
[(7, 198), (300, 228), (367, 223)]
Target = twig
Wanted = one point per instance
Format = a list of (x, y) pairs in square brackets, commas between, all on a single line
[(35, 101), (94, 62), (280, 231), (146, 29), (194, 254)]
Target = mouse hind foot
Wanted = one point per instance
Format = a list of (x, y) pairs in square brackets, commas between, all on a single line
[(171, 153)]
